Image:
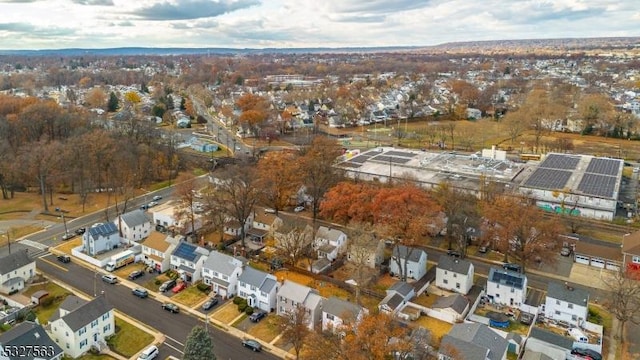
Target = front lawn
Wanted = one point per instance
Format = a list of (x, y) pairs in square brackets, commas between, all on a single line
[(154, 283), (124, 271), (191, 296), (92, 357), (227, 312), (67, 246), (128, 339), (267, 329)]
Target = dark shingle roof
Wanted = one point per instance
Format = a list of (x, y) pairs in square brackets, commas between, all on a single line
[(87, 313), (456, 302), (551, 338), (481, 335), (135, 218), (343, 309), (30, 334), (457, 348), (401, 288), (412, 253), (455, 265), (567, 293), (14, 261)]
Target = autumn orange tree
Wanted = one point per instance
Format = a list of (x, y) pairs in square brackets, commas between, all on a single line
[(349, 201), (461, 209), (254, 110), (520, 229), (278, 179)]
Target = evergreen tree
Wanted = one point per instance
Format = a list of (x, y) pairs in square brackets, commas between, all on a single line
[(183, 104), (169, 102), (198, 345), (113, 103)]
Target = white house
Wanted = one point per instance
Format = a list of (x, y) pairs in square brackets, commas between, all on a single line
[(413, 260), (157, 249), (456, 306), (101, 238), (187, 260), (338, 314), (566, 303), (454, 274), (370, 253), (259, 288), (291, 295), (506, 287), (329, 243), (221, 272), (79, 325), (163, 215), (15, 270), (134, 225), (33, 335), (397, 297)]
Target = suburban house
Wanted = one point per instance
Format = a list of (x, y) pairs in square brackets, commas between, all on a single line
[(506, 287), (28, 334), (289, 236), (454, 274), (456, 306), (134, 225), (548, 343), (259, 288), (397, 297), (221, 272), (338, 313), (79, 325), (157, 249), (368, 253), (262, 226), (472, 341), (329, 243), (566, 303), (166, 215), (15, 270), (411, 260), (232, 227), (101, 238), (187, 260), (291, 295), (631, 251)]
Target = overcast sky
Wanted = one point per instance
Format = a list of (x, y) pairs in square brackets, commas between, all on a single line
[(54, 24)]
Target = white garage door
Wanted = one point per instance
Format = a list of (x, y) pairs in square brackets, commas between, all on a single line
[(596, 262), (582, 259), (613, 266)]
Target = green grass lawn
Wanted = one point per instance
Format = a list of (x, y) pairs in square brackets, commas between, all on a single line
[(151, 284), (92, 357), (56, 292), (128, 339), (190, 296)]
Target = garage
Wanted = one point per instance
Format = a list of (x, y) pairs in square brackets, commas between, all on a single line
[(598, 254), (613, 266), (597, 262), (581, 259)]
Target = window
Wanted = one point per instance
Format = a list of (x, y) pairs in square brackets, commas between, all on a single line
[(83, 343), (94, 323), (445, 281), (574, 317), (82, 330), (68, 346), (635, 259), (513, 290), (497, 295), (242, 284), (105, 316), (106, 328), (557, 312), (330, 317), (557, 302), (457, 285), (455, 275), (570, 306)]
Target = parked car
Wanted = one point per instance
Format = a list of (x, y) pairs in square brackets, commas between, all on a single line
[(149, 353), (453, 253), (169, 284), (587, 354), (209, 304), (135, 274), (179, 287), (526, 318), (81, 231), (269, 211), (144, 207), (152, 204), (157, 198), (252, 344), (257, 316), (68, 236), (64, 258), (140, 292), (512, 267), (111, 279), (483, 249), (566, 251), (298, 209), (171, 307)]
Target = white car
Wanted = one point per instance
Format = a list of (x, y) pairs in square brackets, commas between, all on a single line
[(157, 198), (298, 209), (152, 204)]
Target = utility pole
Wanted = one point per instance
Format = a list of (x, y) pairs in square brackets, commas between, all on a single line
[(7, 234)]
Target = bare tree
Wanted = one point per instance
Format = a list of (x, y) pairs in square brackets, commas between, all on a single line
[(624, 302), (294, 327), (362, 249), (239, 189), (186, 210), (293, 241)]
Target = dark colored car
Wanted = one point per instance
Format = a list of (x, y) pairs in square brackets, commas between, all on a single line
[(136, 274), (167, 285), (171, 307), (209, 304), (512, 267), (257, 316), (252, 344), (64, 258), (587, 354), (81, 231), (141, 293), (454, 253)]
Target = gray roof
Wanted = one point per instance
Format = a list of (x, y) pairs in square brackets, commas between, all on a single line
[(30, 334), (453, 264), (260, 279), (341, 308), (481, 335), (222, 263), (413, 254), (568, 293), (87, 313), (456, 302), (392, 300), (534, 355), (14, 261), (268, 285), (551, 338), (134, 218), (460, 349), (294, 291), (507, 278), (330, 234), (401, 288)]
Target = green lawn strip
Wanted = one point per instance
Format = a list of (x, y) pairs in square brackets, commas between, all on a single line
[(128, 339), (190, 296), (57, 293), (92, 357)]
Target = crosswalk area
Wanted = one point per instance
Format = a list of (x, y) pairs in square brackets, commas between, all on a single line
[(38, 248)]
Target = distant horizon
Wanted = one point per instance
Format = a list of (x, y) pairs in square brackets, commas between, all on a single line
[(291, 24)]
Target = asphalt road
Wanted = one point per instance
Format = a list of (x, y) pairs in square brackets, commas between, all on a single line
[(175, 327)]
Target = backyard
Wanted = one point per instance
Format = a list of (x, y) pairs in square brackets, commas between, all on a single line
[(438, 328), (57, 294)]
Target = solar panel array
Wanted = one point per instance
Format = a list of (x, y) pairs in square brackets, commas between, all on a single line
[(103, 230), (598, 185), (604, 166), (548, 179), (393, 159), (400, 153), (185, 251), (360, 159), (507, 278), (562, 162)]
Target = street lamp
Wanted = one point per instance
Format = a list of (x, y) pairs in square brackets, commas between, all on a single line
[(61, 211), (7, 234)]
